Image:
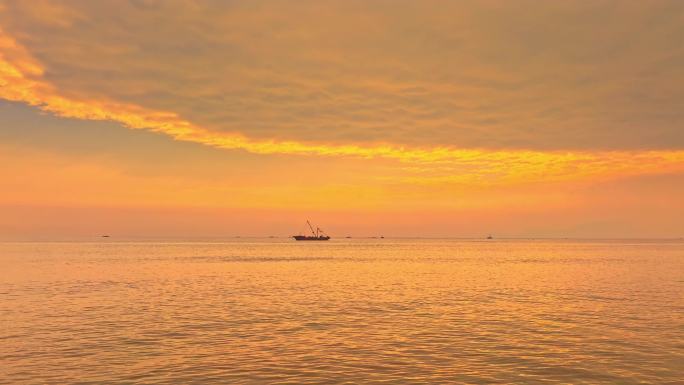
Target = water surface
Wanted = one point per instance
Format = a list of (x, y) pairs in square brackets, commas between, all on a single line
[(344, 311)]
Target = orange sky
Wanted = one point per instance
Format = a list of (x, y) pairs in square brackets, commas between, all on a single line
[(447, 119)]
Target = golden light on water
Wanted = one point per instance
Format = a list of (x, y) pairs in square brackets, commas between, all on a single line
[(271, 310)]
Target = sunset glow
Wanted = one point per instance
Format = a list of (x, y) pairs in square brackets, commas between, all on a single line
[(260, 160), (341, 192)]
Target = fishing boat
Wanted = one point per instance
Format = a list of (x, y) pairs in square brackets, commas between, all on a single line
[(316, 235)]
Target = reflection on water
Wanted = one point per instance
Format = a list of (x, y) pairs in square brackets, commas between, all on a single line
[(352, 311)]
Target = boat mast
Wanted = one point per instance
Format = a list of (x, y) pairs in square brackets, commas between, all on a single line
[(311, 227)]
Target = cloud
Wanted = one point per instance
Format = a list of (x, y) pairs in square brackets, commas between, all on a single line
[(24, 79), (537, 75)]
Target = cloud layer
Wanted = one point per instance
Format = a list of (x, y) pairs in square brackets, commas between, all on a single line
[(466, 94), (525, 75)]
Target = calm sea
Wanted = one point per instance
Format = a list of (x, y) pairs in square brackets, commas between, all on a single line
[(354, 311)]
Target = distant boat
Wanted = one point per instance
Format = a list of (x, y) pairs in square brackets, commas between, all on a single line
[(316, 235), (490, 237), (105, 236)]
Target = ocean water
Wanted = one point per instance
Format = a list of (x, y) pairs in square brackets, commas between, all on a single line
[(267, 311)]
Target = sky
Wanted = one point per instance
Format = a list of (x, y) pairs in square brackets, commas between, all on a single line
[(396, 118)]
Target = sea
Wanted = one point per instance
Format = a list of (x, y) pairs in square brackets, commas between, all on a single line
[(346, 311)]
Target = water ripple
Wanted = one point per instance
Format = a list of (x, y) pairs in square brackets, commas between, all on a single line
[(421, 311)]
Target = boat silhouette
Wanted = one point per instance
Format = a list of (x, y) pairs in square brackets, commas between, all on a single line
[(316, 235)]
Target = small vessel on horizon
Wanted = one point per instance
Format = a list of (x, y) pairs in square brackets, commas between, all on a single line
[(317, 235)]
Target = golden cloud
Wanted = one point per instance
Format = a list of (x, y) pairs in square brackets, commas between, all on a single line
[(22, 80)]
